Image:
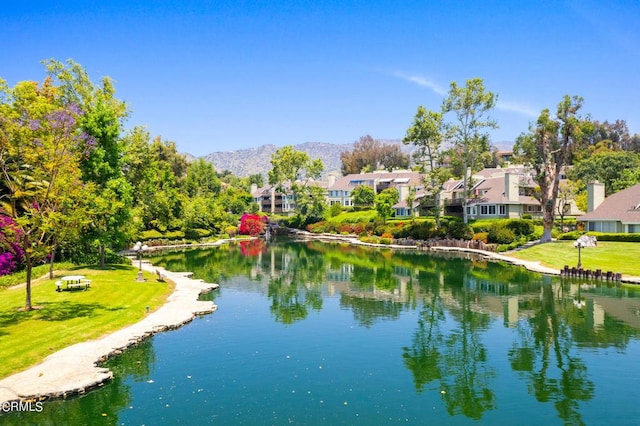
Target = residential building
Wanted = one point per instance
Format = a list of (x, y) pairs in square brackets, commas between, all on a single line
[(618, 213), (340, 191), (270, 200)]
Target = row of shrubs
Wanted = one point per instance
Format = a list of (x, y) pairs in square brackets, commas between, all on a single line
[(602, 236), (193, 234), (450, 227), (505, 233)]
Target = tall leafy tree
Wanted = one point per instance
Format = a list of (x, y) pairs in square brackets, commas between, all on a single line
[(369, 154), (363, 195), (470, 105), (546, 148), (202, 186), (299, 171), (155, 170), (41, 144), (102, 119), (385, 201), (616, 169), (427, 134), (201, 179)]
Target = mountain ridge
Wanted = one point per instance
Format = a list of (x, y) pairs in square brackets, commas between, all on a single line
[(257, 160)]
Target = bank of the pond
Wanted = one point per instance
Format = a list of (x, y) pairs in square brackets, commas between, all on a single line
[(534, 266), (75, 369)]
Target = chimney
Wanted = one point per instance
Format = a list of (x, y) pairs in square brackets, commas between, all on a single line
[(511, 190), (403, 192), (331, 180), (595, 195), (254, 188)]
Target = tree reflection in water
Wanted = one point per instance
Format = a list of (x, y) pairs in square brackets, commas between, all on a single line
[(452, 356), (456, 300), (544, 358)]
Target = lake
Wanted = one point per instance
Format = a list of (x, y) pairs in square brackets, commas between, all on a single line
[(312, 333)]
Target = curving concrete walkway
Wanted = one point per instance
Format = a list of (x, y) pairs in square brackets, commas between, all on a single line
[(75, 369)]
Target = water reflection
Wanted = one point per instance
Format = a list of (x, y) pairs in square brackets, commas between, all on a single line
[(475, 325), (457, 300)]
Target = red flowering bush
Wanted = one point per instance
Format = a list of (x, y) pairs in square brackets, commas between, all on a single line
[(252, 224)]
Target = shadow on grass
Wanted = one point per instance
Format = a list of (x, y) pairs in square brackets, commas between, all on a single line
[(107, 267), (50, 311), (62, 311)]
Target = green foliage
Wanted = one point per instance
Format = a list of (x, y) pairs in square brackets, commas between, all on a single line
[(370, 154), (201, 179), (385, 201), (470, 104), (616, 169), (619, 237), (500, 234), (363, 195), (506, 231), (197, 233), (422, 230), (455, 228), (335, 210), (521, 227), (174, 235), (572, 235), (20, 277), (546, 149), (354, 217), (153, 234)]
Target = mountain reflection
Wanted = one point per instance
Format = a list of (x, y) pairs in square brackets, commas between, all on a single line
[(457, 298)]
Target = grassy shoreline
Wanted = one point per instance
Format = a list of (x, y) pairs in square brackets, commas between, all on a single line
[(114, 301), (619, 257)]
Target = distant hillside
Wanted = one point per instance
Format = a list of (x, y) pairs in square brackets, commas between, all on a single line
[(245, 162)]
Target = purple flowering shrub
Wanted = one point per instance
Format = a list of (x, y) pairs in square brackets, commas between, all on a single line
[(11, 254)]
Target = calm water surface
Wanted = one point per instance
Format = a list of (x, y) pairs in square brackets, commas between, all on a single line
[(312, 333)]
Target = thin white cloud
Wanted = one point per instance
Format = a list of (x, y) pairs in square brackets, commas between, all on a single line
[(517, 108), (439, 90), (421, 81)]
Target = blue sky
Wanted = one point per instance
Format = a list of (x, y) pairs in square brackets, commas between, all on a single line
[(226, 75)]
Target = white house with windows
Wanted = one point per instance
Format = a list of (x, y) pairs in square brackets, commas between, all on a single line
[(505, 196), (340, 190), (618, 213)]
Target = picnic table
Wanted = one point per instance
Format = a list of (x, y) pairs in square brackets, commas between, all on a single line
[(70, 282)]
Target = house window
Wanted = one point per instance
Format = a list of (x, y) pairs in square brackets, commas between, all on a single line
[(488, 210), (471, 211), (534, 208), (502, 209)]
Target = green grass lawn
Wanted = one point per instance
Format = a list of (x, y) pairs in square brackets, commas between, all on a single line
[(608, 256), (114, 301)]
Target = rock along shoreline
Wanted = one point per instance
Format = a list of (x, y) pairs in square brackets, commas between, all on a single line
[(75, 370)]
